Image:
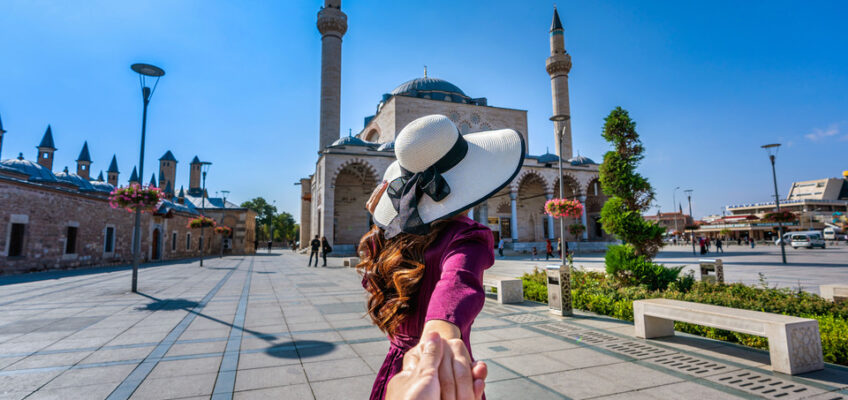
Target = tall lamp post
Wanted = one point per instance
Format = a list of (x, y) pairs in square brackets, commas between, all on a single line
[(564, 272), (772, 149), (691, 231), (674, 207), (146, 72), (204, 168)]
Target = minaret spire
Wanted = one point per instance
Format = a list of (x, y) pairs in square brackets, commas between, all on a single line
[(332, 23), (558, 66)]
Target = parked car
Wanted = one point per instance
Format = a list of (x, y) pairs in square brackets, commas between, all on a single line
[(808, 240)]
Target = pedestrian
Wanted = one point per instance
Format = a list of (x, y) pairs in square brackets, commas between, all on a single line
[(739, 241), (325, 249), (703, 244), (314, 245), (567, 253), (270, 243), (549, 249), (707, 243), (255, 245), (500, 247), (718, 246), (423, 260), (535, 254), (753, 243)]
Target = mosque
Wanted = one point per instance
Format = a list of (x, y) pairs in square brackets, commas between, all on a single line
[(348, 168)]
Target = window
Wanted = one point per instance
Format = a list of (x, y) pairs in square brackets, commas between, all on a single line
[(188, 241), (16, 240), (82, 167), (109, 246), (174, 241), (71, 240), (45, 155)]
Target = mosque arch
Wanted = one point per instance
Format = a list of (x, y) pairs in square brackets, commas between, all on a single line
[(373, 135), (571, 189), (595, 199), (352, 185), (531, 198), (357, 166)]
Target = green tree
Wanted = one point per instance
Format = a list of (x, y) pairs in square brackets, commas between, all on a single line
[(285, 228), (630, 193), (266, 213)]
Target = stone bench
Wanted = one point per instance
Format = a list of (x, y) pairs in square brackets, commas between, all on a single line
[(510, 290), (794, 343), (835, 293), (350, 262)]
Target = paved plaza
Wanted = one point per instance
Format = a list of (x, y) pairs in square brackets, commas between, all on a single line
[(807, 268), (268, 327)]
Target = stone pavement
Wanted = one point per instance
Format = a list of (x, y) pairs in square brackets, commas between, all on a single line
[(266, 326)]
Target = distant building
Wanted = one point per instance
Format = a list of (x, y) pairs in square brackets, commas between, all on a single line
[(63, 220), (673, 222)]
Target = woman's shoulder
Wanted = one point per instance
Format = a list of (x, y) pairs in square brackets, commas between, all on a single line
[(462, 228)]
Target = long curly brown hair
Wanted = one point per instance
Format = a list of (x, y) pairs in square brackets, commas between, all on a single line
[(392, 271)]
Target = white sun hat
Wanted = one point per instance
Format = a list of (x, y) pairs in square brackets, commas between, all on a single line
[(440, 173)]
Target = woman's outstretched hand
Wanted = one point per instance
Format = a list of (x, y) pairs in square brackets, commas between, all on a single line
[(375, 197), (438, 369)]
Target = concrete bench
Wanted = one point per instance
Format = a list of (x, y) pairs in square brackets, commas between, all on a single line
[(794, 343), (350, 262), (510, 290), (835, 293)]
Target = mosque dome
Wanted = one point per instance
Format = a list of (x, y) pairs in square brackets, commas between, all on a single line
[(102, 186), (427, 84), (76, 180), (350, 141), (547, 158), (581, 160), (388, 146), (35, 171)]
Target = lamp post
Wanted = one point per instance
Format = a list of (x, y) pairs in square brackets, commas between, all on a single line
[(224, 204), (674, 207), (153, 73), (564, 272), (691, 231), (772, 149), (204, 167)]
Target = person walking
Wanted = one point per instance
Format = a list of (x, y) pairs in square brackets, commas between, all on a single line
[(702, 244), (500, 247), (719, 249), (535, 254), (549, 249), (325, 249), (314, 245), (707, 243), (753, 243), (423, 260)]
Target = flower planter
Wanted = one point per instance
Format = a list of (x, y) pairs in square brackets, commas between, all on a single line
[(136, 197)]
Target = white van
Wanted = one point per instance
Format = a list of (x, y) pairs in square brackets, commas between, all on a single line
[(830, 233), (806, 239)]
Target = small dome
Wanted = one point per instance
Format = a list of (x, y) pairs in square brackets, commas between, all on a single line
[(427, 84), (102, 186), (388, 146), (581, 160), (35, 171), (547, 158), (75, 180), (350, 141)]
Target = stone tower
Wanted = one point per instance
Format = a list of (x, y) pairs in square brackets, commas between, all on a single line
[(46, 149), (112, 172), (84, 162), (332, 23), (194, 177), (558, 65), (168, 173)]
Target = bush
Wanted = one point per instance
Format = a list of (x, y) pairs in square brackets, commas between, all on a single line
[(630, 269)]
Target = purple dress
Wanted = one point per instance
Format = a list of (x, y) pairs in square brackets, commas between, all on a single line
[(451, 290)]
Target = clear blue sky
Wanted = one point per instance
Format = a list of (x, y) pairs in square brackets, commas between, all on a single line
[(707, 83)]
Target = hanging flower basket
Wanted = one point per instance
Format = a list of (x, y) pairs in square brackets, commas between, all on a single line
[(135, 196), (201, 222), (576, 229), (783, 216), (563, 208), (224, 230)]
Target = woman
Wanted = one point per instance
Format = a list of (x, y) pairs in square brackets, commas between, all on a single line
[(423, 261), (325, 249)]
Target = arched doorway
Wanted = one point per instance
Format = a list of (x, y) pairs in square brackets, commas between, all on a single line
[(595, 200), (352, 188), (156, 249), (571, 191), (531, 209)]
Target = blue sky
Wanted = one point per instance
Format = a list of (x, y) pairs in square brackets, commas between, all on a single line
[(707, 83)]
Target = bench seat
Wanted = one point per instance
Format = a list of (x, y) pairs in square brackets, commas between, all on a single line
[(510, 290), (350, 262), (794, 342), (835, 293)]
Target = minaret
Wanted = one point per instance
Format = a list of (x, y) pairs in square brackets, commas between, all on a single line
[(134, 177), (167, 173), (46, 149), (84, 162), (194, 177), (1, 138), (558, 65), (112, 172), (332, 23)]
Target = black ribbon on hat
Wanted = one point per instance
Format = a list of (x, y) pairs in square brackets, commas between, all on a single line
[(407, 190)]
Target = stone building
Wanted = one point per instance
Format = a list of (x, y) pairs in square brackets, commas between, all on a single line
[(348, 168), (63, 220)]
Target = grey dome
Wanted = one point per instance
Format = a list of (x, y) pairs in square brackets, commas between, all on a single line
[(35, 171), (547, 158), (102, 186), (75, 180), (427, 84), (388, 146), (581, 160), (350, 141)]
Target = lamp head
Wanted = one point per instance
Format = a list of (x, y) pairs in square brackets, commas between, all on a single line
[(147, 72), (771, 149)]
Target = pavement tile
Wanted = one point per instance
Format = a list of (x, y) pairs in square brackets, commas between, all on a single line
[(291, 392), (259, 378), (87, 376), (518, 388), (121, 354), (267, 359), (26, 382), (180, 349), (87, 392), (335, 369), (166, 369), (532, 364), (358, 387), (686, 390), (176, 387), (49, 360)]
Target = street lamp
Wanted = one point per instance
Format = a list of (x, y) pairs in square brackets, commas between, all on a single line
[(204, 168), (691, 231), (564, 272), (146, 72), (224, 204), (772, 149), (674, 207)]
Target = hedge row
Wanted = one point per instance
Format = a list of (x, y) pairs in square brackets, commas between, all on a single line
[(593, 291)]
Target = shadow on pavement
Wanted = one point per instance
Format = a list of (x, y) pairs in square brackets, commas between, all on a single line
[(300, 349), (169, 305)]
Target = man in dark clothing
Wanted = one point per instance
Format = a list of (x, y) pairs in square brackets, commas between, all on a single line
[(314, 245), (325, 249), (718, 246)]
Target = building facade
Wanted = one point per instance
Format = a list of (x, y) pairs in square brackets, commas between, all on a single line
[(58, 220), (349, 168)]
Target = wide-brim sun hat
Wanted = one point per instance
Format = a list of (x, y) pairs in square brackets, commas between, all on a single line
[(440, 173)]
